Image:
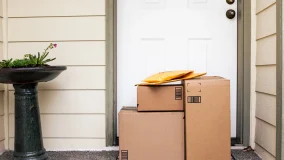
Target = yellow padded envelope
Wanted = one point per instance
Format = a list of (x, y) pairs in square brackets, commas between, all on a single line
[(185, 77), (192, 75), (166, 76)]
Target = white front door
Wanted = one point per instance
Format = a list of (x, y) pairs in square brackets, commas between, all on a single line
[(161, 35)]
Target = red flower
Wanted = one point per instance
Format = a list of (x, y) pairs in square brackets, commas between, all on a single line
[(54, 45)]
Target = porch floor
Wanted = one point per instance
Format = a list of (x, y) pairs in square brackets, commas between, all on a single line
[(112, 155)]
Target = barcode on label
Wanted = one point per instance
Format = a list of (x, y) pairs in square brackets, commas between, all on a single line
[(194, 99), (124, 154), (178, 93)]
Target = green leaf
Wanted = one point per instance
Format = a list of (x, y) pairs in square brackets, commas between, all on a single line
[(48, 60), (38, 58), (45, 55)]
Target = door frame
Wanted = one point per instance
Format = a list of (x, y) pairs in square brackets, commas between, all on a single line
[(244, 62), (279, 80)]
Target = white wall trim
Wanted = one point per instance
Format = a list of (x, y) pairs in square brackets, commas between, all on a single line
[(253, 74)]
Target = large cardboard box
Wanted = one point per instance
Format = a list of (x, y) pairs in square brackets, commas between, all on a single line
[(160, 98), (151, 135), (207, 114)]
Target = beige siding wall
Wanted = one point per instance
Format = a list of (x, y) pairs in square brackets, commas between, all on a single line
[(2, 114), (72, 106), (265, 78)]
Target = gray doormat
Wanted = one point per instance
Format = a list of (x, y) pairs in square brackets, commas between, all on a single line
[(242, 155), (112, 155)]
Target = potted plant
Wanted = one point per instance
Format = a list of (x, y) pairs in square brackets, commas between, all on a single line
[(25, 74)]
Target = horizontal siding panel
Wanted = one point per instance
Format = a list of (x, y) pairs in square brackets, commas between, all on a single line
[(66, 53), (1, 30), (2, 146), (70, 101), (266, 51), (266, 79), (29, 8), (1, 58), (1, 8), (266, 22), (91, 77), (2, 133), (1, 51), (266, 136), (266, 108), (68, 144), (56, 29), (263, 153), (262, 4), (1, 103), (68, 126)]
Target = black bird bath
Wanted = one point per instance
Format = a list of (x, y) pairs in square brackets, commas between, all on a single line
[(28, 143)]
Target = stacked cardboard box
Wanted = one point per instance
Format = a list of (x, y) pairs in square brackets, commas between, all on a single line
[(176, 122)]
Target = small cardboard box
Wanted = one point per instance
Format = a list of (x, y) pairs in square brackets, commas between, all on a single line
[(207, 118), (150, 135), (160, 98)]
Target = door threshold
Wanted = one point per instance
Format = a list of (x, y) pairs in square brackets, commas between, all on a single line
[(240, 147)]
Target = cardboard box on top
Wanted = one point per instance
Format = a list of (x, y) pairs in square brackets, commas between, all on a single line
[(151, 135), (160, 98), (207, 118), (165, 95)]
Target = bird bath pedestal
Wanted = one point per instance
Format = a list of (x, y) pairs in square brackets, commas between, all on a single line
[(28, 143)]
